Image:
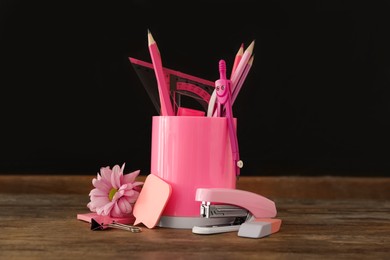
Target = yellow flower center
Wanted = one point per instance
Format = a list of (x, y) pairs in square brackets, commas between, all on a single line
[(112, 193)]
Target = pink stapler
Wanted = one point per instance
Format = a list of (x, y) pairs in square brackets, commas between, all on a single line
[(246, 207)]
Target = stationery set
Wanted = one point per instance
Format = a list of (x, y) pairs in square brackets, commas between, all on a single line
[(195, 159)]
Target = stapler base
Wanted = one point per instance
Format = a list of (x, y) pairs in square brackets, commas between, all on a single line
[(190, 222)]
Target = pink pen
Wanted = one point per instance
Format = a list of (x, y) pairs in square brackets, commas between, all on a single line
[(224, 108)]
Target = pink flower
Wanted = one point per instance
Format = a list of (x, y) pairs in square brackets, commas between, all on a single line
[(115, 193)]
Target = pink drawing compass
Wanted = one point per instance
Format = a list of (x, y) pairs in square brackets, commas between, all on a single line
[(224, 108)]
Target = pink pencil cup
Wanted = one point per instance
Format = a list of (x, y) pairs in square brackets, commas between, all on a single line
[(190, 152)]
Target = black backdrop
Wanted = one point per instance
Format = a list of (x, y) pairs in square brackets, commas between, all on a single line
[(316, 101)]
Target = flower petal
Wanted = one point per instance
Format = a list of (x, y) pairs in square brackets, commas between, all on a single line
[(98, 193), (108, 208), (105, 172), (116, 177), (100, 211), (129, 193), (124, 206), (116, 211), (101, 185), (123, 167), (118, 195), (133, 198), (97, 202), (126, 186), (138, 183), (91, 208), (130, 177)]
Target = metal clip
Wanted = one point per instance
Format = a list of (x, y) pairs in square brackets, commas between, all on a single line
[(130, 228), (95, 225)]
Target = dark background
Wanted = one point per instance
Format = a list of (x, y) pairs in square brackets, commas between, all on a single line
[(316, 101)]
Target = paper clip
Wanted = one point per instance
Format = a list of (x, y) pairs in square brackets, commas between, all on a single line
[(95, 225)]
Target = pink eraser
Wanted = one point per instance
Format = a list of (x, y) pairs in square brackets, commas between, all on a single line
[(258, 228), (275, 223), (151, 201)]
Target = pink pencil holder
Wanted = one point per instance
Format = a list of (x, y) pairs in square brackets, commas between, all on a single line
[(191, 152)]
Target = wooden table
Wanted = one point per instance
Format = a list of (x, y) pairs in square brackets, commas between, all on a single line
[(323, 217)]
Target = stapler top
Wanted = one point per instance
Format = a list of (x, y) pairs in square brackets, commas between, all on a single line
[(259, 206)]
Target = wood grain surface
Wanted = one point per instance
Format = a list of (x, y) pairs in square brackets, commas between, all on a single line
[(41, 223)]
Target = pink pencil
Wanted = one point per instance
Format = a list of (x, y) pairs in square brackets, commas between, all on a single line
[(242, 79), (237, 59), (241, 65), (163, 91)]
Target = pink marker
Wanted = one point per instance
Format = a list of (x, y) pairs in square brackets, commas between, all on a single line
[(224, 108)]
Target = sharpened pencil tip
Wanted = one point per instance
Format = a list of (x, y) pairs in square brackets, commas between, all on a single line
[(241, 49), (150, 38), (251, 59), (251, 47)]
